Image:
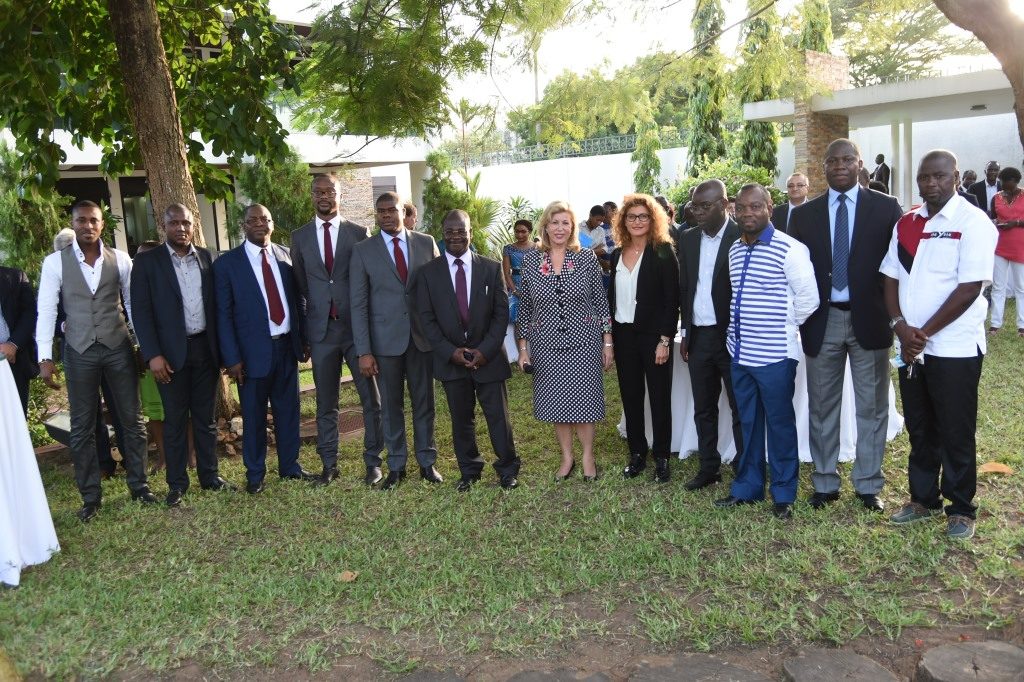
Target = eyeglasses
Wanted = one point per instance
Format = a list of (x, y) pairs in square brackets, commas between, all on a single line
[(329, 193), (637, 217)]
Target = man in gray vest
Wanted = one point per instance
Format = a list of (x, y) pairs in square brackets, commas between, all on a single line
[(91, 280)]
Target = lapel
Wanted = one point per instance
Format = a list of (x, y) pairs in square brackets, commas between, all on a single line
[(384, 253), (318, 238), (164, 259), (250, 274), (865, 205), (206, 274), (477, 295)]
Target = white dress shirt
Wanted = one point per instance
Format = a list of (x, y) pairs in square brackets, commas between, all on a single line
[(842, 296), (990, 193), (51, 278), (625, 289), (255, 255), (703, 306), (333, 229), (467, 265)]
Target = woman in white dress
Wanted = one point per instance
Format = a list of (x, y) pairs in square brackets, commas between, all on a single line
[(27, 536)]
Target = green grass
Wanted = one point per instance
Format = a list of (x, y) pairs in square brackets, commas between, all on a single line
[(235, 583)]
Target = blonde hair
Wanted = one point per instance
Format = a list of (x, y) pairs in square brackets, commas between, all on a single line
[(657, 235), (552, 209)]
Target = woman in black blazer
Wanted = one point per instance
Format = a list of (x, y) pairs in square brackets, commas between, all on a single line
[(644, 301)]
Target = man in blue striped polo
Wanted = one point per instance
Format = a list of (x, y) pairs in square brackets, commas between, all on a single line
[(773, 292)]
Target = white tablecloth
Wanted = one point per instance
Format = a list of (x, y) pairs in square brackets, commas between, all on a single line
[(27, 536)]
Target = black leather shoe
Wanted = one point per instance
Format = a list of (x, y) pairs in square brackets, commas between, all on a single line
[(373, 476), (326, 477), (703, 479), (872, 503), (220, 484), (302, 475), (662, 473), (819, 500), (394, 478), (783, 510), (430, 475), (731, 502), (174, 497), (88, 512), (144, 496), (636, 466), (509, 483), (465, 484), (254, 488), (559, 478)]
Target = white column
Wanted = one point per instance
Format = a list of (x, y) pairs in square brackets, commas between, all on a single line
[(896, 162), (117, 208), (909, 188)]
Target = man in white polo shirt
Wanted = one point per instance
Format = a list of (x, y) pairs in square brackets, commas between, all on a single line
[(940, 258)]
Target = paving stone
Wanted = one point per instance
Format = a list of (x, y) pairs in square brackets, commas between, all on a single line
[(696, 668), (559, 675), (813, 665), (989, 661)]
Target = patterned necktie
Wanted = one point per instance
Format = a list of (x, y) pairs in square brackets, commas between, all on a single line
[(403, 270), (462, 293), (273, 295), (841, 247), (329, 261)]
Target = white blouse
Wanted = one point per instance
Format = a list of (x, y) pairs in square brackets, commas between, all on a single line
[(625, 290)]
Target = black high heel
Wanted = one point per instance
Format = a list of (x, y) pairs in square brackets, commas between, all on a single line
[(559, 479)]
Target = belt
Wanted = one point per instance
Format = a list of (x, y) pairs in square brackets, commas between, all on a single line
[(196, 336), (840, 305), (705, 326), (275, 337)]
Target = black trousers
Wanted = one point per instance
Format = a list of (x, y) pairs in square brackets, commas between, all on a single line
[(709, 366), (191, 396), (940, 409), (638, 374), (463, 395)]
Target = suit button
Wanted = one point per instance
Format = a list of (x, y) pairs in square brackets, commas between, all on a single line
[(331, 282)]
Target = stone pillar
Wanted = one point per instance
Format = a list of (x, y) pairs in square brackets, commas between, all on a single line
[(812, 132)]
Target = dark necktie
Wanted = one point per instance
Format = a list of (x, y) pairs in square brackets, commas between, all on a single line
[(403, 270), (273, 295), (461, 293), (841, 247), (329, 261)]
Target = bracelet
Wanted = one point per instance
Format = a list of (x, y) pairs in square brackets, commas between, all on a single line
[(895, 321), (608, 345)]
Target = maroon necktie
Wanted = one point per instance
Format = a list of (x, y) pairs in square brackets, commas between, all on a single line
[(329, 262), (273, 295), (403, 270), (462, 293)]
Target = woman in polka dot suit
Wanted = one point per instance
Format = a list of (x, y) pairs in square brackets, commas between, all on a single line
[(563, 316)]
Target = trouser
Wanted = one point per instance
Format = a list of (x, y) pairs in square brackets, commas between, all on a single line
[(281, 388), (462, 395), (1007, 279), (637, 372), (415, 368), (940, 410), (709, 365)]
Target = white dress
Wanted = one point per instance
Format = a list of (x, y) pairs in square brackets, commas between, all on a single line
[(27, 536)]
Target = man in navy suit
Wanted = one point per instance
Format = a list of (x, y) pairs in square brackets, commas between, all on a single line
[(17, 328), (175, 322), (261, 343), (985, 190)]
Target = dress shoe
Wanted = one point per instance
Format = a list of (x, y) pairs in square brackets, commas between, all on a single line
[(301, 475), (465, 483), (732, 501), (326, 477), (703, 479), (783, 510), (174, 497), (220, 484), (144, 496), (509, 483), (430, 475), (254, 488), (395, 476), (559, 478), (871, 502), (819, 500), (373, 476), (636, 466), (87, 512), (662, 473)]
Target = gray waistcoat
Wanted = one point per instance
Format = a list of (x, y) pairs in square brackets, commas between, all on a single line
[(92, 318)]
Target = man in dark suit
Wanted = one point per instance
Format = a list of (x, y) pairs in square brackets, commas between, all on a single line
[(985, 190), (321, 251), (796, 191), (881, 172), (387, 335), (464, 310), (705, 293), (176, 325), (261, 342), (17, 328), (847, 231)]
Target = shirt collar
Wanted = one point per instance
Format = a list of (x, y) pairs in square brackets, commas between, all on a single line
[(191, 250), (451, 259), (254, 250), (388, 237), (948, 211), (718, 235), (81, 254), (333, 222), (766, 236), (851, 194)]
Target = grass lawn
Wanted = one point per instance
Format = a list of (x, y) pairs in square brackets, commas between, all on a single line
[(236, 584)]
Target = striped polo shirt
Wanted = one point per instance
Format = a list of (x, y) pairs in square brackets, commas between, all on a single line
[(773, 292)]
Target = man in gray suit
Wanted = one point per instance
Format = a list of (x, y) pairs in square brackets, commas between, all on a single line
[(387, 335), (321, 252)]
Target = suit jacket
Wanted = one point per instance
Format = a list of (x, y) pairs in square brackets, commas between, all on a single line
[(657, 291), (317, 287), (780, 217), (488, 318), (157, 313), (384, 311), (876, 216), (978, 190), (968, 197), (689, 269), (243, 323), (18, 303), (882, 174)]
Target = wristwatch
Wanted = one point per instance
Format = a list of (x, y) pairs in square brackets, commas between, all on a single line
[(895, 321), (665, 341)]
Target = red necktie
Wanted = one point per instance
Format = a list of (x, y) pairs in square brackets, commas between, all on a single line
[(462, 293), (403, 270), (329, 262), (273, 295)]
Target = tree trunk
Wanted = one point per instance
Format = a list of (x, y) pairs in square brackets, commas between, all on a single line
[(154, 111), (1000, 28)]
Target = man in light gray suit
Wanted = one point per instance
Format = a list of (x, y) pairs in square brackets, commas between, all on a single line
[(387, 335), (321, 251)]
